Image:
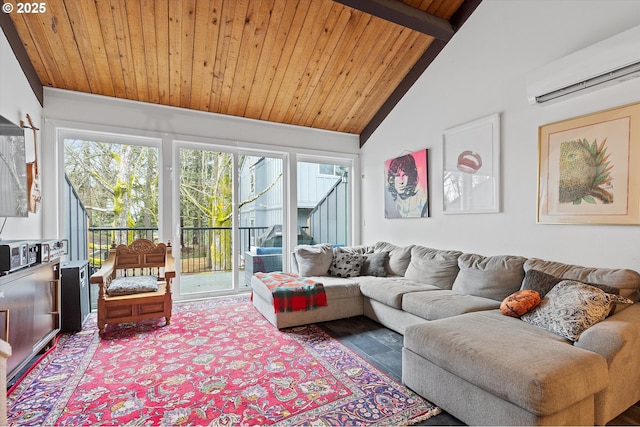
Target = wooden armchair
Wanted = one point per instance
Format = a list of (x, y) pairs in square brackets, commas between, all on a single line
[(128, 291)]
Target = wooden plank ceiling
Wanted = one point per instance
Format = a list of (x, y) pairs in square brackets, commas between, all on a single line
[(316, 63)]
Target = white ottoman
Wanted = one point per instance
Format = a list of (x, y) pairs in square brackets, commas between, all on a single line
[(343, 300)]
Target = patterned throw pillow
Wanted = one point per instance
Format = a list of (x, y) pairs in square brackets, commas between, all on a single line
[(346, 264), (571, 307), (520, 302), (132, 285)]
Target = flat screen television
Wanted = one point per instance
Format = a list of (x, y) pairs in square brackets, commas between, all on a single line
[(13, 170)]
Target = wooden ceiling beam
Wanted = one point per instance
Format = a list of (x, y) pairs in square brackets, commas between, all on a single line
[(461, 15), (402, 14), (9, 29)]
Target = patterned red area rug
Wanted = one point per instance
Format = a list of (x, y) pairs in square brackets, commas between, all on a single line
[(218, 363)]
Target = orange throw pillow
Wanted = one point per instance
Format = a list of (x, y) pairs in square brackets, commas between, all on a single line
[(520, 302)]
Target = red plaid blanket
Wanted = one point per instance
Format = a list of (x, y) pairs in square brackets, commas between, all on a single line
[(292, 292)]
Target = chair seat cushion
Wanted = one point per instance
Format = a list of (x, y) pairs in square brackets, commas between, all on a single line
[(132, 285)]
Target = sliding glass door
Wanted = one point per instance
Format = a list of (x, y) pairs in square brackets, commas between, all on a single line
[(261, 215), (206, 219), (221, 247)]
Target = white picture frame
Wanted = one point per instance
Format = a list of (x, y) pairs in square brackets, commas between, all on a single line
[(471, 167)]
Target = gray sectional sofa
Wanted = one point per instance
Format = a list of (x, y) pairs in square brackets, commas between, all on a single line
[(548, 367)]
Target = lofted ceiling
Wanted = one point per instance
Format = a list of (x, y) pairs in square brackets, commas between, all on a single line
[(339, 65)]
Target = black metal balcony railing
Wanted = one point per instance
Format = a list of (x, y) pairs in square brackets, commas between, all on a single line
[(202, 249)]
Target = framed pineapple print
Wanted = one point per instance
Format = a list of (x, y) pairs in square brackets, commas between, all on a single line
[(587, 168)]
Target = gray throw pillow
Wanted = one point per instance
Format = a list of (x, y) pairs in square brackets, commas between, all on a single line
[(571, 307), (374, 264), (132, 285), (313, 260), (540, 282), (346, 264)]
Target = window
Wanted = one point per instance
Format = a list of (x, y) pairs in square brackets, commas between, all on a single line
[(324, 203), (332, 170)]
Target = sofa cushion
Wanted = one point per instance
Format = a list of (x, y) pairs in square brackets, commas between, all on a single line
[(441, 303), (493, 277), (542, 283), (543, 378), (346, 264), (433, 266), (628, 281), (399, 257), (313, 260), (389, 291), (571, 307), (374, 264), (520, 302)]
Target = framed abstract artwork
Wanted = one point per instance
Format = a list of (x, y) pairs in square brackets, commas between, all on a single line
[(471, 167), (406, 188), (587, 168), (13, 171)]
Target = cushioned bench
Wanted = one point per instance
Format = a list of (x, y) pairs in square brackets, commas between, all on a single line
[(343, 300)]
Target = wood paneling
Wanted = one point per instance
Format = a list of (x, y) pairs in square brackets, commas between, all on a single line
[(315, 63)]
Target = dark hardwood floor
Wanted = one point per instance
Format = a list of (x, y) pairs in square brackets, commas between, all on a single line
[(383, 348)]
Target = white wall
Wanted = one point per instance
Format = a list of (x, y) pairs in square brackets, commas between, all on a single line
[(16, 100), (483, 71), (137, 117)]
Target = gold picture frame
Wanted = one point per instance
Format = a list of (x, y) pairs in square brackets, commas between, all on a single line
[(586, 169)]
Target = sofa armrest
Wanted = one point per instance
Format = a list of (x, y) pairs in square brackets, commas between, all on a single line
[(617, 339), (611, 336)]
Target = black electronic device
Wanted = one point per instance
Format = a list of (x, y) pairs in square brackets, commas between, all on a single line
[(14, 255), (75, 294)]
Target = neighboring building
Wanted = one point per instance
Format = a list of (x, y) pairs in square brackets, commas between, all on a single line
[(321, 189)]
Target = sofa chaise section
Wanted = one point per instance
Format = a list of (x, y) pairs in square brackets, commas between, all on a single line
[(490, 369), (617, 338)]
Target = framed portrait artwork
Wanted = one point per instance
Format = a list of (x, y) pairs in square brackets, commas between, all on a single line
[(471, 167), (587, 168), (406, 190)]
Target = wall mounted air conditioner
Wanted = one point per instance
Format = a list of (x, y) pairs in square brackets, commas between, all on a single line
[(610, 61)]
